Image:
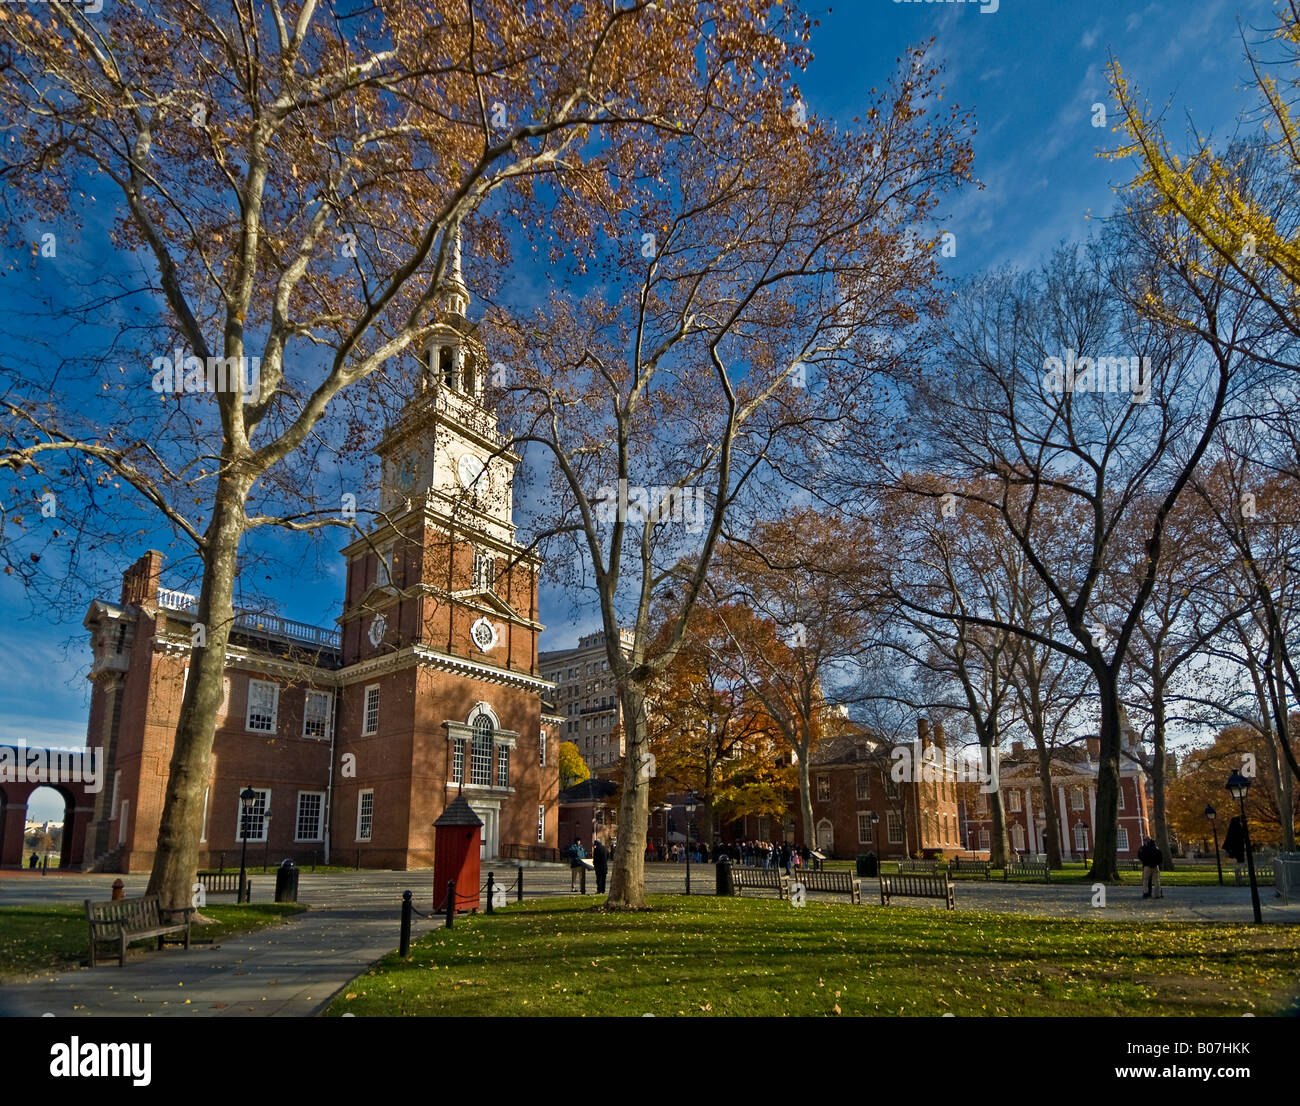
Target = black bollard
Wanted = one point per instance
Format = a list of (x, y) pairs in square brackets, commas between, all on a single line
[(491, 876), (451, 902), (519, 885), (404, 945)]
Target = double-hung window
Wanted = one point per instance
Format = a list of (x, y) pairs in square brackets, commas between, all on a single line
[(263, 699)]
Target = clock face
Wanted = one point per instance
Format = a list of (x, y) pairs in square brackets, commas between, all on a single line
[(484, 634), (378, 628), (468, 469)]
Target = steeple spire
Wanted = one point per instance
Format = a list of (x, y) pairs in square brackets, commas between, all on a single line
[(455, 292)]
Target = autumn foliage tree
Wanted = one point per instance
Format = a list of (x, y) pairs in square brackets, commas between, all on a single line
[(710, 734), (285, 182), (749, 286)]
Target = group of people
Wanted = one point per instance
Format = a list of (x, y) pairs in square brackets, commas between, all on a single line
[(599, 863), (752, 854)]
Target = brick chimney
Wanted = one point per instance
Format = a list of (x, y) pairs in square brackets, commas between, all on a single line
[(140, 582), (1017, 748), (1093, 745), (922, 730), (938, 736)]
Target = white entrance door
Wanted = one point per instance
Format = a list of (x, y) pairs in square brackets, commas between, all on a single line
[(825, 836), (488, 844)]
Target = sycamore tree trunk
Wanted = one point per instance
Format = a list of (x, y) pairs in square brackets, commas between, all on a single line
[(1284, 777), (805, 793), (706, 804), (627, 874), (999, 842), (1105, 866), (176, 859), (1051, 816), (1159, 806)]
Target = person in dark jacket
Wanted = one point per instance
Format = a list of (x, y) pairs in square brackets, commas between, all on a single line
[(576, 855), (1151, 858), (1234, 843), (600, 861)]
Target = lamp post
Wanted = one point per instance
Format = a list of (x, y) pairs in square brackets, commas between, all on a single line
[(247, 798), (690, 806), (875, 844), (1237, 787), (1210, 813)]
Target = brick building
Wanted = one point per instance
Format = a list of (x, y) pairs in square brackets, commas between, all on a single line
[(852, 777), (1074, 788), (587, 699), (356, 738)]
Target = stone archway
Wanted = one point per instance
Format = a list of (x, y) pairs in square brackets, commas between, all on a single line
[(42, 795)]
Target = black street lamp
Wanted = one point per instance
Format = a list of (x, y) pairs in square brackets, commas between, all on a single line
[(1210, 813), (247, 798), (875, 844), (690, 806), (1237, 786)]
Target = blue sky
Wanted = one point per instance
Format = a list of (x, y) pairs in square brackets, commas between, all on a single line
[(1031, 71)]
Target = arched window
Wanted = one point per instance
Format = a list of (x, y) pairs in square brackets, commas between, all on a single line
[(446, 367), (469, 376), (480, 752), (1018, 837)]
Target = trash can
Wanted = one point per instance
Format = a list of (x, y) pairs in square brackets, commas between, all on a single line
[(868, 865), (286, 882), (725, 884)]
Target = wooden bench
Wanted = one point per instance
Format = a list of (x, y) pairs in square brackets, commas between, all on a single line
[(916, 887), (840, 883), (971, 867), (127, 920), (217, 883), (767, 879), (926, 867), (1027, 868)]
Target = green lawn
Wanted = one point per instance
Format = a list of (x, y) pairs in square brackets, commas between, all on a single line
[(760, 957), (54, 937)]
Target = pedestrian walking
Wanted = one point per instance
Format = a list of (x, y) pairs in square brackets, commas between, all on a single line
[(1151, 858)]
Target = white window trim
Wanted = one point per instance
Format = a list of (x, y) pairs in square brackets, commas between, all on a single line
[(541, 823), (864, 815), (266, 817), (366, 729), (275, 707), (320, 821), (329, 714), (1121, 839), (360, 795)]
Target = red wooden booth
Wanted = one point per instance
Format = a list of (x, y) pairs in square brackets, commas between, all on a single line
[(457, 835)]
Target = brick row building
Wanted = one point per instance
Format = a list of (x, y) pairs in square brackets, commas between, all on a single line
[(356, 738), (1074, 790)]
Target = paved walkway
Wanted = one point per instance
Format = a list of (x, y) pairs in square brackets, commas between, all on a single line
[(297, 967)]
